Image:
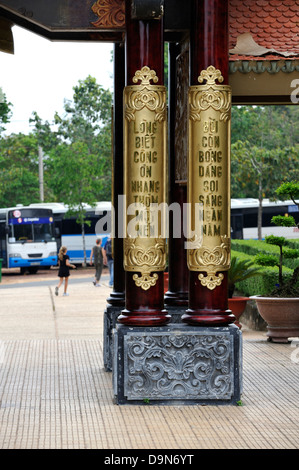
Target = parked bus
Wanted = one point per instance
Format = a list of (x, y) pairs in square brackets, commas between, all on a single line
[(27, 239), (244, 214), (69, 233)]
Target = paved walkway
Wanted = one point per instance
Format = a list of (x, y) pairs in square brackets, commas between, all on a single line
[(55, 393)]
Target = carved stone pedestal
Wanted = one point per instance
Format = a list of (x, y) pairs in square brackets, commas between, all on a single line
[(110, 320), (177, 365)]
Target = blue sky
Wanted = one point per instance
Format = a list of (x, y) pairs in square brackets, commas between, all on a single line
[(41, 74)]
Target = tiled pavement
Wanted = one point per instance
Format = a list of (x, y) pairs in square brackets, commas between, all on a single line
[(55, 393)]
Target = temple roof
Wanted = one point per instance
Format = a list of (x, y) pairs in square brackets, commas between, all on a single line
[(263, 30), (259, 30)]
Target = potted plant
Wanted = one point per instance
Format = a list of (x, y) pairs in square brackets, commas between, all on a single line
[(280, 309), (239, 271)]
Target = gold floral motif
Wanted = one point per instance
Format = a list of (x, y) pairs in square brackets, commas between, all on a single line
[(150, 99), (145, 75), (201, 100), (204, 257), (218, 256), (145, 95), (111, 13), (210, 95), (211, 74), (146, 280), (211, 280), (144, 258)]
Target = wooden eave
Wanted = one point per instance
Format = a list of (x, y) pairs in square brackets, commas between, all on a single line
[(255, 80)]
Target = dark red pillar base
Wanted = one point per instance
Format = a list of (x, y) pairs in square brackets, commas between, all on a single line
[(139, 311), (207, 307), (144, 318), (208, 318)]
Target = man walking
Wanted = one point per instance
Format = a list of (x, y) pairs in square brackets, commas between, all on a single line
[(97, 254), (108, 258)]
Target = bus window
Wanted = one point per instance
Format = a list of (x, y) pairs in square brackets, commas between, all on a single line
[(237, 226), (42, 232), (22, 233)]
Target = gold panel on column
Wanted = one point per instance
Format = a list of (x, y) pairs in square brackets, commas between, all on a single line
[(145, 145), (209, 178)]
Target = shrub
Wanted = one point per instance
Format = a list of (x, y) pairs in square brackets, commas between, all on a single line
[(240, 269), (290, 288)]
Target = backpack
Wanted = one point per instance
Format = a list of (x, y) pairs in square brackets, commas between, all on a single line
[(108, 248)]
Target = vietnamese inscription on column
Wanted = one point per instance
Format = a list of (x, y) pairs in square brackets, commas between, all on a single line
[(145, 175), (209, 175)]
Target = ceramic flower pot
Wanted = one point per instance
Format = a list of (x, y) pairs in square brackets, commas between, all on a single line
[(281, 316), (237, 305)]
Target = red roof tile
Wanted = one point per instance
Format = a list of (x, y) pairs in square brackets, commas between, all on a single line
[(272, 24)]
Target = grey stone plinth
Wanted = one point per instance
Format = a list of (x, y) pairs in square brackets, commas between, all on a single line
[(110, 320), (177, 364)]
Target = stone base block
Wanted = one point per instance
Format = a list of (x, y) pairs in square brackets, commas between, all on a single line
[(110, 320), (177, 364)]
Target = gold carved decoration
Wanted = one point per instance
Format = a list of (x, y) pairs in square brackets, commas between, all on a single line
[(210, 257), (146, 96), (111, 13), (144, 176), (211, 96), (145, 259), (145, 75), (209, 177), (146, 280), (211, 280), (210, 75)]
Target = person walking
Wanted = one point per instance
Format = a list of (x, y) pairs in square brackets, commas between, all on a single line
[(64, 269), (108, 259), (97, 254)]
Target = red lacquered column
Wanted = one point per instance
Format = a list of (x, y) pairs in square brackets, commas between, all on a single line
[(209, 47), (144, 48), (209, 38)]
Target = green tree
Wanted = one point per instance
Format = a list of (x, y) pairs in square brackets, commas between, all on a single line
[(87, 116), (18, 170), (5, 111), (46, 137), (18, 186), (266, 126), (289, 190), (86, 119), (78, 167), (273, 130), (71, 175), (259, 170)]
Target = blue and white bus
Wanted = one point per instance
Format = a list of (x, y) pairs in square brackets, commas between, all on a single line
[(69, 233), (27, 238), (244, 218)]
